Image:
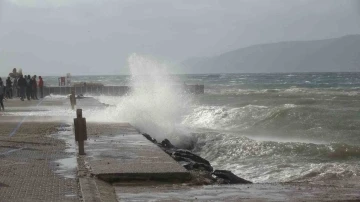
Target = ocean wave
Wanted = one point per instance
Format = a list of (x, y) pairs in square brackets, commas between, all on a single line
[(273, 161), (245, 147), (316, 122), (236, 90), (327, 171), (220, 117)]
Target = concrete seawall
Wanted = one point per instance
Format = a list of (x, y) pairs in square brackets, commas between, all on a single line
[(109, 90)]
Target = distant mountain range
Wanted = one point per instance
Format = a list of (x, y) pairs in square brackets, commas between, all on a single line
[(329, 55)]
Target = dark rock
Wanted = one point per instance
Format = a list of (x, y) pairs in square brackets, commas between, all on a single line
[(147, 136), (194, 162), (187, 159), (201, 166), (167, 144), (187, 154), (227, 177), (198, 166)]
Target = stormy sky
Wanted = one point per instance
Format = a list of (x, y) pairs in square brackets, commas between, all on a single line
[(53, 37)]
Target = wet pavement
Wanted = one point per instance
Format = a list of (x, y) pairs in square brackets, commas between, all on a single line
[(33, 159), (39, 161), (125, 154), (28, 166)]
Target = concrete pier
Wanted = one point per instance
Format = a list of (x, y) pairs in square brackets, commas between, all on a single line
[(34, 158), (110, 90), (122, 153)]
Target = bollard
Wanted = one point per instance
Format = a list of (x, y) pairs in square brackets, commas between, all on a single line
[(80, 131)]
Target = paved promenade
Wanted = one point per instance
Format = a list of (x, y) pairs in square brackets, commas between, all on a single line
[(28, 155), (39, 161)]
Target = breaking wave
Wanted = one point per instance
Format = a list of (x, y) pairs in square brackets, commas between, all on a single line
[(154, 105), (274, 161)]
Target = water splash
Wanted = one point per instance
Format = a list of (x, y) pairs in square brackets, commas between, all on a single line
[(155, 104)]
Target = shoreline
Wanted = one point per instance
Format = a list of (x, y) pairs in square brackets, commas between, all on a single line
[(38, 136)]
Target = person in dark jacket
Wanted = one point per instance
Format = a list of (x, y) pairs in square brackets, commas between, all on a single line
[(34, 88), (8, 88), (28, 87), (41, 87), (2, 94), (22, 87), (15, 88)]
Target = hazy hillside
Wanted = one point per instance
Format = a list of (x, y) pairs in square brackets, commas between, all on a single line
[(339, 54)]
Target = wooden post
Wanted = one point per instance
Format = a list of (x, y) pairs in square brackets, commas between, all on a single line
[(80, 131)]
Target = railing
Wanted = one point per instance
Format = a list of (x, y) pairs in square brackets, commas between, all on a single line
[(108, 90)]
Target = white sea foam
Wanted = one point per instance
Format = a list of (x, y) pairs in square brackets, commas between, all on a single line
[(55, 97), (220, 117), (154, 105)]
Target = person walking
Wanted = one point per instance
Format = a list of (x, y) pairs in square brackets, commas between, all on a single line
[(41, 87), (34, 88), (28, 87), (22, 87), (8, 88), (2, 93)]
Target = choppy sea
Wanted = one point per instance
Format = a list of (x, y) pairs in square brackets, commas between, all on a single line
[(264, 127)]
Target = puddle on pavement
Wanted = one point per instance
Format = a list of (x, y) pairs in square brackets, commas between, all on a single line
[(66, 167), (71, 195)]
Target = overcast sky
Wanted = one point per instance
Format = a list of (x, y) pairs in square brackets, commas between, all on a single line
[(53, 37)]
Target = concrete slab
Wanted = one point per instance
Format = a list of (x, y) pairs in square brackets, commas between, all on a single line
[(89, 190), (127, 155)]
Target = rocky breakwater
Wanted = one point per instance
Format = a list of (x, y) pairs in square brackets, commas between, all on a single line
[(201, 170)]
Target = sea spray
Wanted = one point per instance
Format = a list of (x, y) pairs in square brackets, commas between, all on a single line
[(293, 133), (155, 104)]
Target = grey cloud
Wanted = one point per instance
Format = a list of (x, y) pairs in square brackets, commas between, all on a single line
[(97, 36)]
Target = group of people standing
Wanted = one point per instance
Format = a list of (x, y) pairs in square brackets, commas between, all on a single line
[(24, 87)]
